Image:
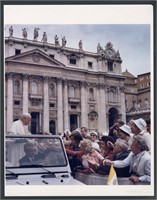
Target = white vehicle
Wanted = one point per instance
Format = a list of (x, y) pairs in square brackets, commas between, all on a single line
[(37, 160)]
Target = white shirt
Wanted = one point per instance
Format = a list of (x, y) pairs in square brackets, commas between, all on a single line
[(144, 170)]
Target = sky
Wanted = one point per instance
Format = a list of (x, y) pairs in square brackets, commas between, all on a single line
[(132, 41)]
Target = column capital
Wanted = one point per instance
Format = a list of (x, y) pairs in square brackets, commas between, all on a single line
[(59, 81), (10, 75), (66, 81), (101, 85), (92, 84), (46, 79), (122, 89), (83, 83), (25, 77)]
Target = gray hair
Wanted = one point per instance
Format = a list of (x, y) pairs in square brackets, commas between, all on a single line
[(122, 143), (27, 146), (25, 115), (141, 142), (87, 144)]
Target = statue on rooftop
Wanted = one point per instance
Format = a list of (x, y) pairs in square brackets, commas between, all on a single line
[(24, 33), (11, 31), (98, 48), (64, 41), (36, 34), (44, 38), (80, 44), (56, 40)]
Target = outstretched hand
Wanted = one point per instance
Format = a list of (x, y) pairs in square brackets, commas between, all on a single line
[(107, 162)]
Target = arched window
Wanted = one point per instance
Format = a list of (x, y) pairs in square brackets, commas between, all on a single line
[(51, 90), (52, 127), (91, 94), (34, 88), (72, 92), (16, 87)]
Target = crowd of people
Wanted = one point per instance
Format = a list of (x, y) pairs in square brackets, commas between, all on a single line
[(126, 147)]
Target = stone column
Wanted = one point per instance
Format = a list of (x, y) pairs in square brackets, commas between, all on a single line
[(102, 108), (66, 115), (9, 100), (46, 106), (81, 61), (122, 102), (40, 122), (59, 105), (25, 94), (83, 105)]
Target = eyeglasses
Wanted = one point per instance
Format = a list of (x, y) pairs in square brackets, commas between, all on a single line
[(92, 135)]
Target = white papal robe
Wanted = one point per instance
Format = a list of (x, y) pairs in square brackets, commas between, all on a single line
[(15, 149)]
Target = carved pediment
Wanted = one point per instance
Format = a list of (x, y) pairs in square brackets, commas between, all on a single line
[(36, 57)]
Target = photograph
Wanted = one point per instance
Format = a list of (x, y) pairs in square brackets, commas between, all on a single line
[(78, 100)]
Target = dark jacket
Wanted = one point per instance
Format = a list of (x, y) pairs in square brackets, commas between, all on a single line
[(27, 161), (121, 172)]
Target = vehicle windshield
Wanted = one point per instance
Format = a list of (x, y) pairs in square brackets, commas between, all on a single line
[(34, 151)]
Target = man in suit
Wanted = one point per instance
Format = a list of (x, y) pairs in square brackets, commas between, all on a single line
[(120, 152), (32, 157)]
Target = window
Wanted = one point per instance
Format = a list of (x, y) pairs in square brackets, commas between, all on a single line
[(52, 127), (17, 51), (141, 78), (52, 105), (141, 86), (16, 87), (51, 90), (73, 61), (90, 65), (34, 88), (110, 65), (16, 103), (148, 84), (91, 94), (73, 107), (51, 55)]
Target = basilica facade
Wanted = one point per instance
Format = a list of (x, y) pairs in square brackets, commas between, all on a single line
[(62, 87)]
